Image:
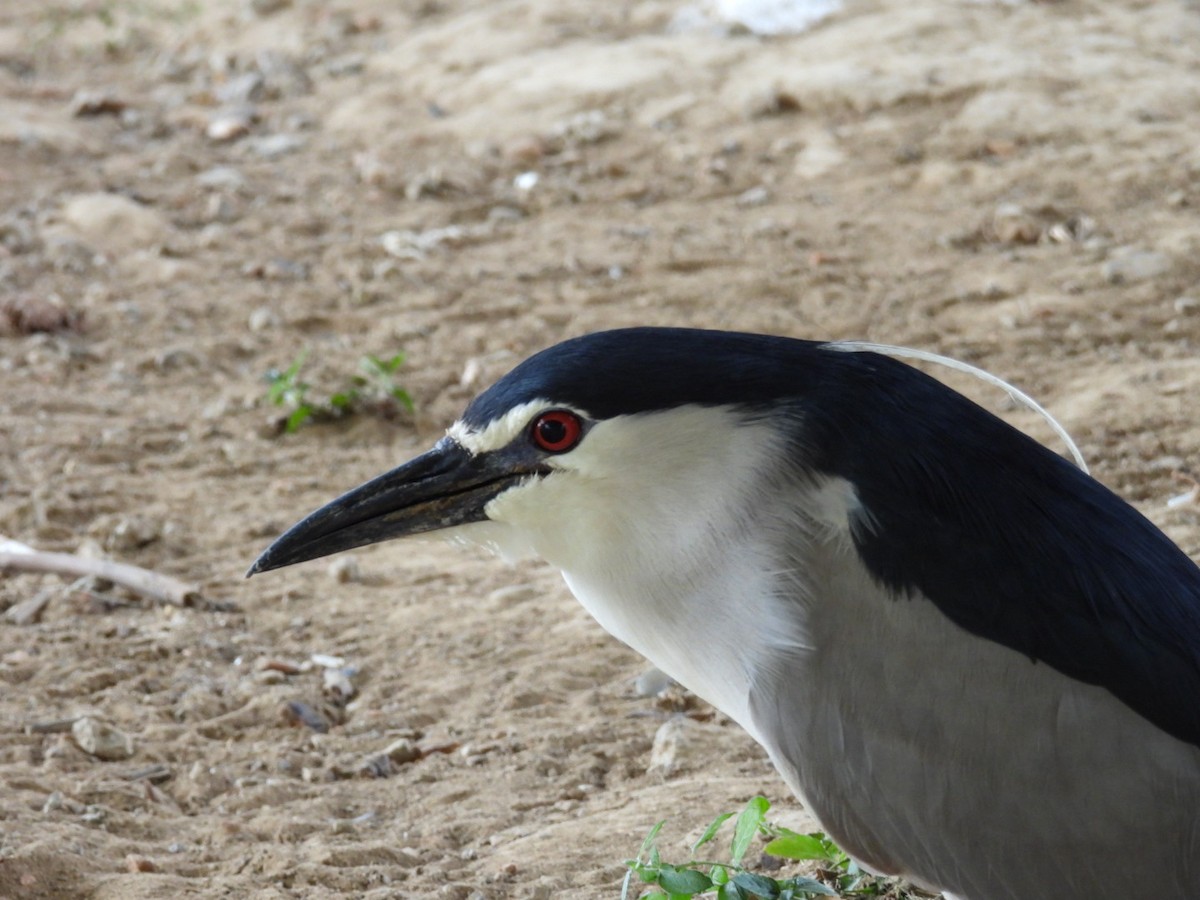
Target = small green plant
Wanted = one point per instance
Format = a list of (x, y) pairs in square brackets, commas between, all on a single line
[(373, 390), (839, 875)]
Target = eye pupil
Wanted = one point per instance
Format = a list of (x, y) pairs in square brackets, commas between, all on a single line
[(557, 431), (551, 431)]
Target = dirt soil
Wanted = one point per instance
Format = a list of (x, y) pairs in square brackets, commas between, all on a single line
[(193, 194)]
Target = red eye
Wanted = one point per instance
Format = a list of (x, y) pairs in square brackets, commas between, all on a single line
[(557, 431)]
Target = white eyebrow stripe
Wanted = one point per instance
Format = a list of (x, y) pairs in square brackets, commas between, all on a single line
[(499, 432)]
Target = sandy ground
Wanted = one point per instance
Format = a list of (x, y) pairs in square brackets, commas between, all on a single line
[(193, 194)]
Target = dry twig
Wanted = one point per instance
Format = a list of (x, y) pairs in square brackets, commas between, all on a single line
[(155, 586)]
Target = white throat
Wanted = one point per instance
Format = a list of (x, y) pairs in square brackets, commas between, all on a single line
[(670, 529)]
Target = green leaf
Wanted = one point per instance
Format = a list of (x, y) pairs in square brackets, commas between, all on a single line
[(758, 885), (809, 886), (402, 396), (801, 846), (343, 399), (298, 417), (711, 831), (730, 891), (683, 881), (748, 823), (719, 875), (648, 841)]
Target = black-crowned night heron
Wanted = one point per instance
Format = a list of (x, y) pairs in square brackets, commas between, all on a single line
[(977, 667)]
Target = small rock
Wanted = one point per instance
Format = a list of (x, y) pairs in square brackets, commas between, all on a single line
[(470, 373), (229, 126), (279, 665), (263, 319), (418, 244), (1126, 265), (101, 739), (30, 314), (337, 685), (272, 146), (651, 683), (668, 741), (299, 713), (588, 127), (327, 661), (96, 103), (221, 178), (94, 815), (1012, 225), (345, 570), (54, 801), (114, 223), (135, 863), (127, 533), (525, 150), (401, 751), (277, 269), (352, 824), (756, 196)]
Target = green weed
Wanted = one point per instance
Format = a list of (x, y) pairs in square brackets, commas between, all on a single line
[(837, 874), (373, 390)]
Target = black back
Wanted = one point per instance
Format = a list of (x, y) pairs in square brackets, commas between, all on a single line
[(1010, 541)]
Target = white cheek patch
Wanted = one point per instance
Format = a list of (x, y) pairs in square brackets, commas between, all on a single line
[(499, 432)]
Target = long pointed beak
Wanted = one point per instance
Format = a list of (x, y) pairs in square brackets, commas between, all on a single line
[(444, 487)]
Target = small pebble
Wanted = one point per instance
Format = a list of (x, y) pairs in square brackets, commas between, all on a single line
[(338, 685), (668, 742), (221, 178), (299, 713), (135, 863), (262, 319), (1012, 225), (96, 103), (279, 665), (756, 196), (94, 815), (227, 127), (402, 751), (1126, 265), (345, 570), (272, 146), (651, 683), (101, 739)]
